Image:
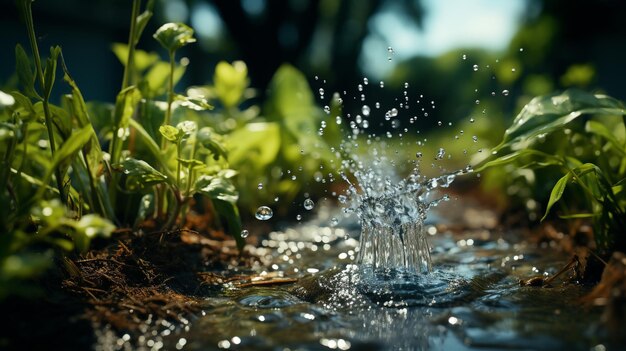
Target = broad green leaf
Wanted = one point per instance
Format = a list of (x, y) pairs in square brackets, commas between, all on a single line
[(255, 141), (140, 175), (25, 73), (231, 213), (546, 114), (216, 188), (173, 36), (50, 71), (156, 79), (557, 192), (143, 59), (230, 82), (171, 133)]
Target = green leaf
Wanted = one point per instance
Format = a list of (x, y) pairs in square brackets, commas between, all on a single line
[(25, 74), (230, 82), (210, 141), (125, 104), (25, 265), (516, 155), (21, 101), (173, 36), (69, 149), (578, 215), (231, 213), (601, 130), (78, 108), (156, 79), (152, 146), (140, 175), (557, 192), (142, 21), (89, 227), (50, 71), (143, 60), (216, 188), (194, 103), (546, 114), (255, 141), (171, 133)]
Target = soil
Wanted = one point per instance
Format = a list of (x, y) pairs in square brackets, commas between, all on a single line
[(139, 277)]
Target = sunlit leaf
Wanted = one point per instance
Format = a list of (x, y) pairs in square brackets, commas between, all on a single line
[(173, 36), (601, 130), (143, 60), (557, 193), (216, 188), (89, 227), (256, 141), (171, 133), (230, 82)]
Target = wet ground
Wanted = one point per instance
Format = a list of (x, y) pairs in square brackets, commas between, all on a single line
[(471, 301)]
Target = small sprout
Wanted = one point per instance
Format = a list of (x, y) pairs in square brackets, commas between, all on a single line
[(173, 36)]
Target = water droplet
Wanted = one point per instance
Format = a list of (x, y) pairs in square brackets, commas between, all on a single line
[(406, 85), (418, 155), (377, 104), (334, 221), (245, 233), (505, 92), (366, 81), (464, 57), (382, 84), (321, 92), (338, 119), (393, 112), (327, 109), (475, 138), (521, 49), (475, 68), (512, 69), (360, 87), (298, 217), (365, 110), (308, 204), (342, 199), (471, 120), (263, 213), (440, 153), (477, 101), (260, 186), (276, 199)]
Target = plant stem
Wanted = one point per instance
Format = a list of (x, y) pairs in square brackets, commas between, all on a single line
[(28, 15), (170, 95), (129, 70), (179, 154)]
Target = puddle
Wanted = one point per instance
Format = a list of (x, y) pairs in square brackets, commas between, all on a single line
[(471, 300)]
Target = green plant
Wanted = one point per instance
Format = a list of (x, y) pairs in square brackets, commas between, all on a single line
[(582, 138)]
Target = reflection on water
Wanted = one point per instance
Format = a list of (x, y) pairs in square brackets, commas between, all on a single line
[(471, 300)]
